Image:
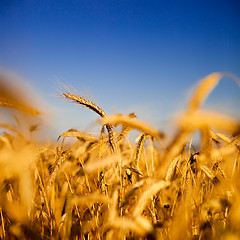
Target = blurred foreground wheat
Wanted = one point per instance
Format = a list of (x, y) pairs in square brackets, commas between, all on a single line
[(102, 187)]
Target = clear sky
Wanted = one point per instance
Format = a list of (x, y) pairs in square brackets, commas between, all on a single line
[(128, 55)]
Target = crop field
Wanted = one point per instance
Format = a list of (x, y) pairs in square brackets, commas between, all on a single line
[(103, 186)]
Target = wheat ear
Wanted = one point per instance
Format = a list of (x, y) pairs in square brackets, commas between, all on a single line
[(140, 148), (88, 104), (203, 89)]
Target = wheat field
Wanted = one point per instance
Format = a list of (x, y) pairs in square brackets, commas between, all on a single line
[(102, 186)]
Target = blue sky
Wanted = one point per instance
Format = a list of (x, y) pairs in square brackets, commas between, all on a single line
[(129, 56)]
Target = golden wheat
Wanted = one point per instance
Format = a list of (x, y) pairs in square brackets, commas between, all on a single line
[(83, 190)]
